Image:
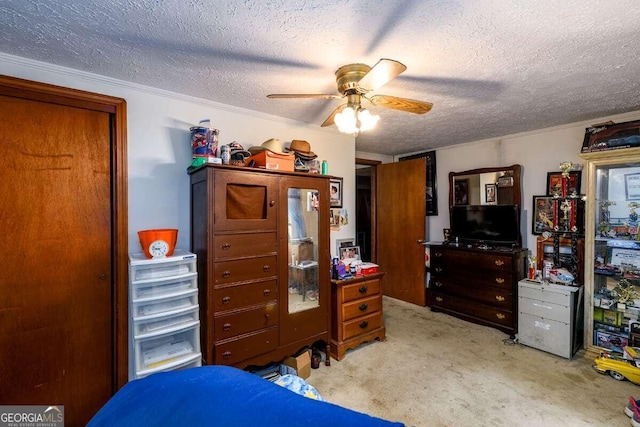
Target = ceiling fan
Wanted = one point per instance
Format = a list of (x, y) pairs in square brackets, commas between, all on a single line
[(356, 81)]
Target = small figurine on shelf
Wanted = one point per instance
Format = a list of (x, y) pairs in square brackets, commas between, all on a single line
[(633, 215), (624, 292), (605, 216)]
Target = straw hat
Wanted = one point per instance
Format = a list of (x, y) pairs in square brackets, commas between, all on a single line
[(302, 149), (274, 145)]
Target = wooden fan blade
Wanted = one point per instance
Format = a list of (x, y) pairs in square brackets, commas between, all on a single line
[(402, 104), (381, 73), (329, 120), (303, 95)]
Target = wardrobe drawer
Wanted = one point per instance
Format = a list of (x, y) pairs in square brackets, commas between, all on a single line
[(361, 325), (242, 295), (241, 322), (244, 270), (361, 307), (360, 290), (244, 245), (236, 350)]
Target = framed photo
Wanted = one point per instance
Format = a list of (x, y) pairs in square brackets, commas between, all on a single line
[(461, 192), (632, 186), (344, 243), (490, 193), (350, 252), (430, 180), (554, 183), (543, 214), (335, 192)]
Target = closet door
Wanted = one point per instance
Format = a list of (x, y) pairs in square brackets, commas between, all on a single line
[(56, 296)]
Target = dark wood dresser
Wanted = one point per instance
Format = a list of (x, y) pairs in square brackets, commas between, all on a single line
[(478, 285), (356, 311)]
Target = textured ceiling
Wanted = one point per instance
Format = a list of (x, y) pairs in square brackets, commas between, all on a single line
[(490, 68)]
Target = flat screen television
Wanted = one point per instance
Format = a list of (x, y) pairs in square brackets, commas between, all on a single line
[(486, 224)]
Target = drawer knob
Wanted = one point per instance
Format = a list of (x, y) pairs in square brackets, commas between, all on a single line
[(226, 246), (226, 355), (437, 283), (499, 298), (500, 316), (363, 290), (439, 270), (226, 300), (226, 274), (499, 280), (439, 299), (266, 268), (437, 254), (226, 327), (364, 324), (499, 262), (266, 292), (272, 203), (363, 307)]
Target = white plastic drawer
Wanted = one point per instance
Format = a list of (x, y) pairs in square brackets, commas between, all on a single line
[(149, 289), (545, 334), (547, 310), (171, 320), (167, 351), (161, 270), (156, 306)]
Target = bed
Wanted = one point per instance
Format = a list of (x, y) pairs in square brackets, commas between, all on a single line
[(221, 396)]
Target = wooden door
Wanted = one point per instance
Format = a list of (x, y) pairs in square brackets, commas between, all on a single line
[(60, 343), (401, 230)]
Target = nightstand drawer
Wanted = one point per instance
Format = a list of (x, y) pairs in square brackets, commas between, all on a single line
[(361, 307), (360, 290), (361, 325)]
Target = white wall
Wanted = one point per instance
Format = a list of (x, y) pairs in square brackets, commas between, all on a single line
[(159, 150)]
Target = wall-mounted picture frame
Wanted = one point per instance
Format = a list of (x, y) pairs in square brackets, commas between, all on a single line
[(554, 183), (461, 192), (490, 193), (543, 214), (335, 192), (344, 243), (350, 253), (632, 186), (430, 180)]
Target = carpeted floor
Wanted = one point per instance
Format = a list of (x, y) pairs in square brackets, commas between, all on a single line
[(437, 370)]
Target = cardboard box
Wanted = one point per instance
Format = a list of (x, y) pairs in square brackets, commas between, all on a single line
[(301, 363), (270, 160)]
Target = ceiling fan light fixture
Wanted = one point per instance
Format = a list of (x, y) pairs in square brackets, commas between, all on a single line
[(354, 121)]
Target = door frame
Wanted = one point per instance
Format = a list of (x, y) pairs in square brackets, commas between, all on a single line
[(374, 192), (117, 108)]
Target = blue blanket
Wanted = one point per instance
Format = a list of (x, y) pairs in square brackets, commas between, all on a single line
[(220, 396)]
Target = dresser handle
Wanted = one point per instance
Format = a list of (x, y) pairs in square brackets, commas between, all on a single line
[(437, 254), (226, 355), (499, 280), (499, 262), (499, 298), (437, 283), (226, 246), (226, 300), (226, 327), (226, 274), (439, 299), (266, 292), (363, 290), (266, 268), (364, 324), (439, 270), (363, 307), (500, 316)]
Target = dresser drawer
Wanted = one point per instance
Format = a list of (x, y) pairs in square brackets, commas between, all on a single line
[(242, 295), (360, 290), (236, 350), (475, 279), (361, 325), (244, 270), (544, 309), (244, 245), (492, 295), (241, 322), (458, 259), (361, 307), (475, 309)]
